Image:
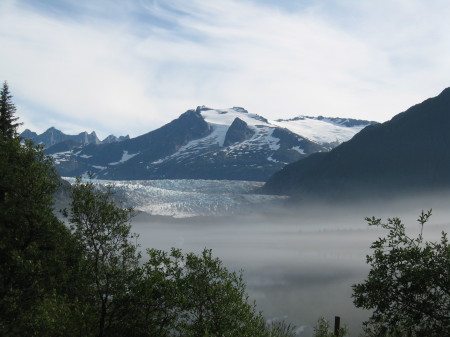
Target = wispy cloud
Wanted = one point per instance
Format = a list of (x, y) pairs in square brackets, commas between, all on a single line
[(117, 67)]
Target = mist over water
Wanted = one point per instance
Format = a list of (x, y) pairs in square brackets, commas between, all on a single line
[(298, 264)]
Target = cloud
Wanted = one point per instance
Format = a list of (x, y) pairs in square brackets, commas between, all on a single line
[(129, 68)]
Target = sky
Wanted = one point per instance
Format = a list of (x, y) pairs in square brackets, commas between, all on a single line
[(129, 67)]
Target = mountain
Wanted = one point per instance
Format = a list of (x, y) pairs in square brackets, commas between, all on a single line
[(207, 143), (53, 136), (113, 139), (406, 155), (27, 134)]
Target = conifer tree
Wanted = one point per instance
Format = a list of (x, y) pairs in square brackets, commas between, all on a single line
[(39, 281), (8, 125)]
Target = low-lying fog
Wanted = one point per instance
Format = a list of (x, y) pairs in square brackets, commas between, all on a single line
[(299, 265)]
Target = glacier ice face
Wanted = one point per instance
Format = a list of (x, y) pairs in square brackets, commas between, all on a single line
[(188, 198)]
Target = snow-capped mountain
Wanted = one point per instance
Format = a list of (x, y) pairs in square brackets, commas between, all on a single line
[(209, 144)]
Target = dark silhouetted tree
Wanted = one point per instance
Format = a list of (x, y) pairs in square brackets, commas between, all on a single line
[(8, 125), (39, 258)]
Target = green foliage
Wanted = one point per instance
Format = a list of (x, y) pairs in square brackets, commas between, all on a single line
[(192, 295), (322, 329), (38, 256), (408, 286), (8, 126), (111, 261)]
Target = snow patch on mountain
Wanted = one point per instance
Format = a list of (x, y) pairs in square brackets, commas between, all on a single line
[(227, 116), (320, 130), (298, 149), (272, 141), (125, 156), (60, 156)]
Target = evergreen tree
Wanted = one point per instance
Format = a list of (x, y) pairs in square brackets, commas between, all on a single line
[(39, 259), (8, 125)]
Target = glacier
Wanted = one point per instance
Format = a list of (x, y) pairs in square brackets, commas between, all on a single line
[(182, 198)]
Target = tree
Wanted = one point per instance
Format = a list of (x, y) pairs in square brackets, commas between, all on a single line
[(38, 256), (8, 125), (111, 260), (192, 295), (408, 286)]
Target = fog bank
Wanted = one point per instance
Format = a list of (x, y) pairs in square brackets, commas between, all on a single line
[(298, 264)]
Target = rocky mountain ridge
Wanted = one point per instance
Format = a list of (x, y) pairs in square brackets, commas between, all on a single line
[(53, 136)]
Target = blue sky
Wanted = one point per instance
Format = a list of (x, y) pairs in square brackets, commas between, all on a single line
[(128, 67)]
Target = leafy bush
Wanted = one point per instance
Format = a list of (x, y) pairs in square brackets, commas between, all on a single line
[(408, 286)]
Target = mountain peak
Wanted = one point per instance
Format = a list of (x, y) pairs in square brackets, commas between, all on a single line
[(446, 91), (201, 108), (237, 132), (52, 129), (239, 109), (28, 134)]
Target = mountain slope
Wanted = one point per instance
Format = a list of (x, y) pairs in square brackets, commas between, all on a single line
[(410, 153), (201, 144)]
